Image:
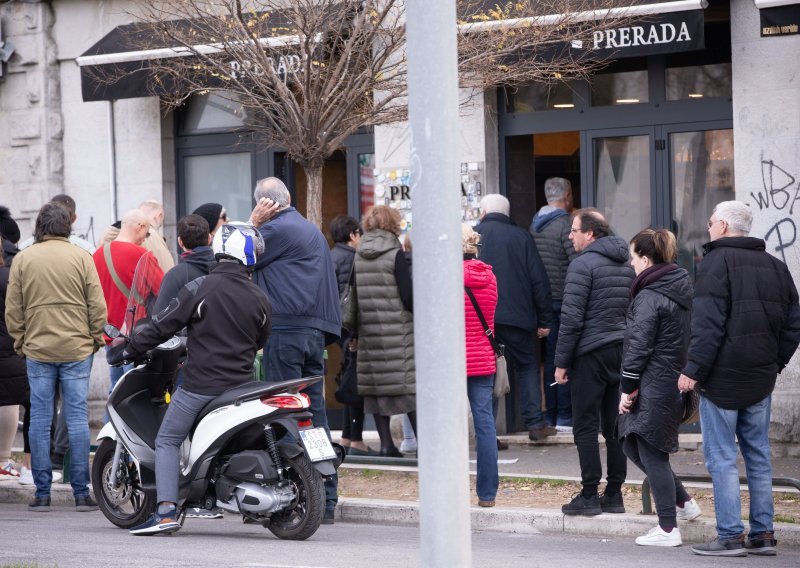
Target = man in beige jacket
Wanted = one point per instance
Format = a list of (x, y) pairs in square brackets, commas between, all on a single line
[(55, 313)]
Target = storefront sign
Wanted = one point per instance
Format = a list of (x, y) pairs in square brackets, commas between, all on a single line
[(661, 33), (780, 20)]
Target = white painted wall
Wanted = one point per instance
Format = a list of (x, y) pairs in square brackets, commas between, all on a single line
[(766, 123)]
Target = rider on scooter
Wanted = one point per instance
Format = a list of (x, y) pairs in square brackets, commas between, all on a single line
[(228, 320)]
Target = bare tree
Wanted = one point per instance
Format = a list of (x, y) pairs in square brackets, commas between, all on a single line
[(309, 73)]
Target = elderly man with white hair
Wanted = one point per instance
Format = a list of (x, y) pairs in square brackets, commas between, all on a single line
[(745, 329), (524, 309)]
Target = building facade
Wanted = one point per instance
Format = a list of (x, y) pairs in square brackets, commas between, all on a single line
[(657, 138)]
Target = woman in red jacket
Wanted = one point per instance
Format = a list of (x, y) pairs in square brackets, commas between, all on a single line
[(481, 366)]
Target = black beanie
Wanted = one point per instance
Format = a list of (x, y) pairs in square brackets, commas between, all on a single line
[(210, 212), (8, 227)]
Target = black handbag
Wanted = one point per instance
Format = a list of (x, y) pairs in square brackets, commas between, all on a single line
[(691, 407), (347, 381), (349, 303)]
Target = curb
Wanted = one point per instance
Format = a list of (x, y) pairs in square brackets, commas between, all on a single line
[(497, 519), (541, 521)]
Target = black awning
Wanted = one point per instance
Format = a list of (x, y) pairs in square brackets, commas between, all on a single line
[(779, 17), (120, 65)]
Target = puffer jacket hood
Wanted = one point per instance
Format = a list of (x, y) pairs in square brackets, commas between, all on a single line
[(478, 275), (675, 286), (376, 242), (612, 246), (545, 216)]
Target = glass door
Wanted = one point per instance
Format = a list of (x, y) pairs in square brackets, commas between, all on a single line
[(700, 169), (621, 177)]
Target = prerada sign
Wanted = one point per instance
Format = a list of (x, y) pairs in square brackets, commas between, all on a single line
[(282, 65), (660, 33)]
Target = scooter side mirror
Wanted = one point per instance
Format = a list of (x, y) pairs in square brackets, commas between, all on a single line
[(112, 331)]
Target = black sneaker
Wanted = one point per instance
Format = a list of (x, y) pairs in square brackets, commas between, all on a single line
[(39, 505), (157, 524), (585, 506), (327, 518), (762, 544), (200, 513), (717, 547), (85, 503), (612, 503)]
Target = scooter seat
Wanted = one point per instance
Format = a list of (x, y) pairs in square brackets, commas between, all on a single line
[(253, 390)]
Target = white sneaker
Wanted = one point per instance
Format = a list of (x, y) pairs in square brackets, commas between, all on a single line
[(9, 471), (658, 537), (564, 429), (689, 511), (26, 476), (408, 447)]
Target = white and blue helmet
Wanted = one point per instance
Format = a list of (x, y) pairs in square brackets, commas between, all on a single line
[(238, 241)]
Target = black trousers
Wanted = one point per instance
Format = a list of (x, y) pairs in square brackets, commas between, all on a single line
[(667, 488), (594, 388)]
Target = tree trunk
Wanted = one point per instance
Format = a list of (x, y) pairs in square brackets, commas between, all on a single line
[(314, 194)]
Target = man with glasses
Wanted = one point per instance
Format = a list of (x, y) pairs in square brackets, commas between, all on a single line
[(589, 356), (116, 264), (745, 329)]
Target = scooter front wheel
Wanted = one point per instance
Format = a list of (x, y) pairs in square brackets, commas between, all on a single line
[(123, 503), (303, 516)]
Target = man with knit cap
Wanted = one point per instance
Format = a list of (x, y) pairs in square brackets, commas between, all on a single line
[(9, 231), (214, 214)]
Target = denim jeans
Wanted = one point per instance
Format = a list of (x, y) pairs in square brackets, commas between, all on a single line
[(44, 379), (293, 354), (721, 427), (521, 354), (479, 392), (181, 414), (556, 398)]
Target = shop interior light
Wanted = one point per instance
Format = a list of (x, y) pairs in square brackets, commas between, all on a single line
[(626, 101), (695, 95), (564, 105)]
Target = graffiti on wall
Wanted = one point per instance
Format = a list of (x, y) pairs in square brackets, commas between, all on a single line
[(781, 192), (87, 234)]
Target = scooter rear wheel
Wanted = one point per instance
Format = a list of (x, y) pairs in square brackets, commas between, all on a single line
[(303, 517), (127, 505)]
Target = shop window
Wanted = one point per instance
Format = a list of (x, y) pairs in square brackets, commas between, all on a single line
[(540, 97), (212, 112), (220, 178), (623, 88), (699, 81)]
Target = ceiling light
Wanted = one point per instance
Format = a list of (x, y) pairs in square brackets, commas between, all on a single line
[(695, 95), (564, 105), (626, 101)]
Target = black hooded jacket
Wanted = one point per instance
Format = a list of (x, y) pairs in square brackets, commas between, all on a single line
[(197, 264), (654, 352), (745, 322), (596, 298)]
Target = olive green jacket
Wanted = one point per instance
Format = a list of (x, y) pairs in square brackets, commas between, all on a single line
[(55, 309)]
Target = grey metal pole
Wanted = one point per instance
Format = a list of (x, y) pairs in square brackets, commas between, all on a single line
[(438, 284)]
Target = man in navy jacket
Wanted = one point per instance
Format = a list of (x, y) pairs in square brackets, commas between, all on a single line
[(745, 329), (296, 272)]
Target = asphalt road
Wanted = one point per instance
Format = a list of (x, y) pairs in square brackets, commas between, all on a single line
[(67, 539)]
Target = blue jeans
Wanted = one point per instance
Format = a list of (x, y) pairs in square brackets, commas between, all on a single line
[(521, 354), (181, 414), (44, 379), (479, 392), (556, 398), (294, 354), (721, 427)]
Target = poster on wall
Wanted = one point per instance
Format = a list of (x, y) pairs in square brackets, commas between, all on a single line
[(393, 189)]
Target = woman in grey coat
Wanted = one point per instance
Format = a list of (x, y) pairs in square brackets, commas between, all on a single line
[(654, 351)]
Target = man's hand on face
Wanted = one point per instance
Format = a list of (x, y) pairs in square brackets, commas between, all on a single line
[(264, 210)]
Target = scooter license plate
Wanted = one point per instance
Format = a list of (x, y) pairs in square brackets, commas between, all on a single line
[(317, 444)]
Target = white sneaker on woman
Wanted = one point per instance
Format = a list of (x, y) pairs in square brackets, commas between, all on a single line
[(689, 512), (26, 476), (659, 537)]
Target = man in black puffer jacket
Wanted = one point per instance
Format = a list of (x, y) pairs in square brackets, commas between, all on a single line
[(596, 297), (745, 329), (197, 260)]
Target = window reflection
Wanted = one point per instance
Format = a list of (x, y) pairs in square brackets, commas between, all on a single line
[(541, 96), (221, 178), (699, 81), (212, 111), (701, 175), (622, 182), (625, 87)]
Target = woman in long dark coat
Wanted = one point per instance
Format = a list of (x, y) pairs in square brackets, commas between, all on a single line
[(654, 352)]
